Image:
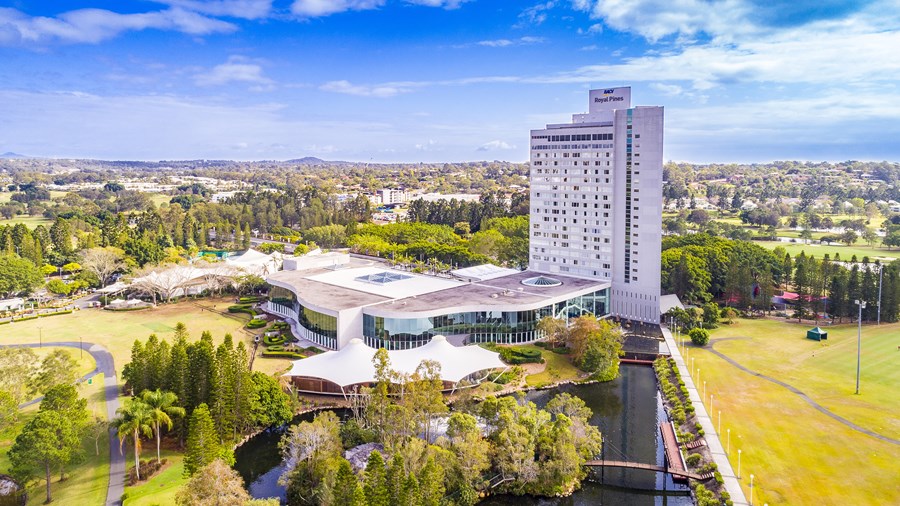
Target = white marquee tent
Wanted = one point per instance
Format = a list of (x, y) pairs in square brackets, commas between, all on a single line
[(353, 364)]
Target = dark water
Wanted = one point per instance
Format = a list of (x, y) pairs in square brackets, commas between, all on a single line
[(627, 411)]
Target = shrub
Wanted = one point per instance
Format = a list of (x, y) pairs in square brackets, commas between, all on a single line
[(273, 340), (700, 337), (256, 324), (245, 300), (242, 308), (313, 350), (718, 477), (693, 459), (282, 354), (517, 355), (275, 347)]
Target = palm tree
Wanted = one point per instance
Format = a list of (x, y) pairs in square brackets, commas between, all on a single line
[(134, 420), (162, 409)]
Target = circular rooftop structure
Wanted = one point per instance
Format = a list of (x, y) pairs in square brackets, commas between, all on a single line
[(541, 281)]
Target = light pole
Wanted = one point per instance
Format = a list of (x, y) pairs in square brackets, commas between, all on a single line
[(862, 305), (880, 275), (698, 379), (739, 464), (751, 490)]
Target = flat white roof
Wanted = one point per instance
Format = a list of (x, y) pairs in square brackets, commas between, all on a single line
[(398, 284)]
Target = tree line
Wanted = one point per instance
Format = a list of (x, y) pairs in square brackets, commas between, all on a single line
[(214, 379), (700, 268)]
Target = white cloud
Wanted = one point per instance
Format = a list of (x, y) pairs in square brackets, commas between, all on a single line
[(319, 8), (592, 47), (521, 41), (534, 15), (655, 19), (245, 9), (96, 25), (495, 145), (426, 146), (446, 4), (380, 91), (236, 69)]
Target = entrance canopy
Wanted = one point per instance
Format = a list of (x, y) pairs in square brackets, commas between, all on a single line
[(352, 364)]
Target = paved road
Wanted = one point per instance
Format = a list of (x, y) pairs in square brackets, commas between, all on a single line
[(814, 404), (106, 366)]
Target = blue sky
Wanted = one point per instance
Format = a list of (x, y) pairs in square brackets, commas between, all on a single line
[(443, 80)]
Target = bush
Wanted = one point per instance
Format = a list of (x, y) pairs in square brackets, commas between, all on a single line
[(282, 354), (700, 337), (273, 340), (313, 350), (693, 459), (242, 308), (275, 347), (245, 300), (256, 324), (517, 355)]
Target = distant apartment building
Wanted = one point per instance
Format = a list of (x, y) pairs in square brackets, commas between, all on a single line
[(596, 200)]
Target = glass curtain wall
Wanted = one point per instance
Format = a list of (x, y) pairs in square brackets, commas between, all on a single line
[(321, 328), (505, 327)]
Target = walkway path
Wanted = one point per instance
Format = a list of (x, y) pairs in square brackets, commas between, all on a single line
[(802, 395), (105, 366), (714, 444)]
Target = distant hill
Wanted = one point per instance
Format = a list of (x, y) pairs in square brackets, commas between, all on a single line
[(10, 154), (311, 160)]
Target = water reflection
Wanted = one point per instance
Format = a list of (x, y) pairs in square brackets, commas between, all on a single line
[(627, 411)]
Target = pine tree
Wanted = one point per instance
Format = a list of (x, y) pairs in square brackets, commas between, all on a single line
[(178, 376), (245, 395), (345, 485), (375, 487), (134, 372), (409, 492), (245, 237), (431, 483), (224, 381), (203, 444), (394, 478), (201, 357)]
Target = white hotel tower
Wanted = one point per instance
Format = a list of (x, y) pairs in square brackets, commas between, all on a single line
[(596, 200)]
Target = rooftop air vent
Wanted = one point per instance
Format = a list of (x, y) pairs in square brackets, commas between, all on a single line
[(541, 281)]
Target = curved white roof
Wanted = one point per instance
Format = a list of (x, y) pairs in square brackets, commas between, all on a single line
[(353, 363)]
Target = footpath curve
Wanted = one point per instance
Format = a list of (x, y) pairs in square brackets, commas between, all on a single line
[(105, 366), (818, 407)]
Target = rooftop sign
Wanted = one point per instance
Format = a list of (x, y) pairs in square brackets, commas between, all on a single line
[(608, 99)]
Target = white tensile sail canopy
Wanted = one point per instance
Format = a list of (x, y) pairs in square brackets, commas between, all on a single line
[(353, 363)]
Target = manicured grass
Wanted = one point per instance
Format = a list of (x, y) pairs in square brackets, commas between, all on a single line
[(87, 481), (797, 454), (162, 487), (819, 250), (30, 221), (558, 368), (117, 331)]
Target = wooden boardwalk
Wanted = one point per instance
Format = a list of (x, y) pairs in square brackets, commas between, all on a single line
[(648, 467), (674, 460)]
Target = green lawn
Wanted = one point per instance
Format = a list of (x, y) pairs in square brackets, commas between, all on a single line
[(87, 481), (30, 221), (162, 487), (819, 250), (558, 368), (799, 455), (118, 330)]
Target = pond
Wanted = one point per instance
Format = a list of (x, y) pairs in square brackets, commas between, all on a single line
[(627, 411)]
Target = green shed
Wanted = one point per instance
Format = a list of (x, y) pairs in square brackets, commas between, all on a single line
[(817, 334)]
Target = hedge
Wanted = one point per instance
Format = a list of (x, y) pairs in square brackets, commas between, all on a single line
[(123, 309), (242, 308), (245, 300), (287, 354), (273, 340), (275, 347), (256, 324), (516, 356), (313, 349)]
